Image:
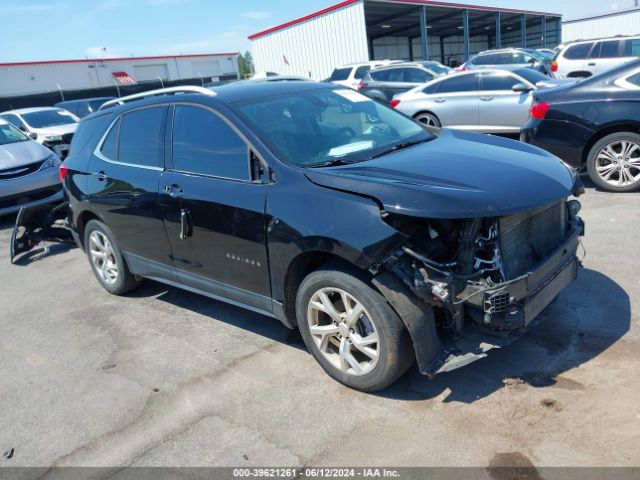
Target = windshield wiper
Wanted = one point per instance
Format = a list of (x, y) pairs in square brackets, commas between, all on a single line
[(400, 146), (335, 162)]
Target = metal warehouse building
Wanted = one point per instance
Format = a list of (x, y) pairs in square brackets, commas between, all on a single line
[(361, 30), (623, 22), (38, 77)]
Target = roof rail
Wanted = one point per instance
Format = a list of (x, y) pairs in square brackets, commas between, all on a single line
[(160, 91)]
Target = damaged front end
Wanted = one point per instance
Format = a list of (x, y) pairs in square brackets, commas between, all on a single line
[(486, 279), (38, 224)]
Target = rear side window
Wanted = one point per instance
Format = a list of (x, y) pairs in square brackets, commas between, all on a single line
[(415, 75), (203, 143), (609, 49), (340, 74), (486, 59), (379, 75), (361, 72), (497, 81), (578, 52), (632, 47), (457, 83), (141, 139)]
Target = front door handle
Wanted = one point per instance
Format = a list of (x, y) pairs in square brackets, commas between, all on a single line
[(100, 176), (486, 98), (440, 100), (186, 225), (174, 191), (592, 64)]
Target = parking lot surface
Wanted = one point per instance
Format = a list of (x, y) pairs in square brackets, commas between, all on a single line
[(165, 377)]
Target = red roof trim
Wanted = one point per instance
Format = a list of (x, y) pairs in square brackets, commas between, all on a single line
[(98, 60), (305, 18), (420, 2)]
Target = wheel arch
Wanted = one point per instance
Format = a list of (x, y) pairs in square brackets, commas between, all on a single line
[(81, 221), (618, 127)]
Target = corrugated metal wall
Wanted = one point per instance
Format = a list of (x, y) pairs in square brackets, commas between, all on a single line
[(623, 24), (314, 47)]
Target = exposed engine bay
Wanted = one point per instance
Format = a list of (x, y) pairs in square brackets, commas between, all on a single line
[(499, 273)]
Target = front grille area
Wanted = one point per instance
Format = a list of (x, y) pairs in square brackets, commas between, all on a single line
[(527, 238), (16, 172), (17, 200)]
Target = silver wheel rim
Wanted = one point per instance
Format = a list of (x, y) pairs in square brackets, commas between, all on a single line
[(103, 257), (618, 163), (428, 120), (343, 331)]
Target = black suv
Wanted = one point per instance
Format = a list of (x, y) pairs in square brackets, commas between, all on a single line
[(380, 241), (383, 83)]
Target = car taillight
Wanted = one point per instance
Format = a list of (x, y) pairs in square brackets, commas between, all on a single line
[(462, 68), (554, 66), (395, 103), (63, 172), (539, 110), (362, 85)]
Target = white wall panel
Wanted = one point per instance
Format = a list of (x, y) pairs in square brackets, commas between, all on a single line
[(622, 24), (315, 46)]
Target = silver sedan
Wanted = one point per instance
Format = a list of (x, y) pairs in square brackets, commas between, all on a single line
[(28, 171), (488, 100)]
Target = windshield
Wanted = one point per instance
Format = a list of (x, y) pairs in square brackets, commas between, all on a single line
[(316, 127), (10, 134), (541, 57), (49, 118)]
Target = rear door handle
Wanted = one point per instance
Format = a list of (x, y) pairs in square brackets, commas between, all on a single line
[(486, 98), (440, 100), (592, 64), (100, 176), (174, 191)]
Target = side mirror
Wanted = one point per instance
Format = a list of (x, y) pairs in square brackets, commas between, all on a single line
[(33, 135), (521, 88)]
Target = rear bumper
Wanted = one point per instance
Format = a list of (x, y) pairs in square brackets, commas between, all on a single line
[(30, 190)]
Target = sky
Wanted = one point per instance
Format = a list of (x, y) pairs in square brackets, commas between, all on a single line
[(69, 29)]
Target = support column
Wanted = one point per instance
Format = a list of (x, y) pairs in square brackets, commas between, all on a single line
[(544, 32), (465, 29), (523, 31), (442, 60), (424, 40), (498, 29)]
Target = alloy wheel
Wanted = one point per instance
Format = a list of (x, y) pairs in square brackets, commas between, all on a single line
[(428, 120), (343, 331), (103, 257), (618, 163)]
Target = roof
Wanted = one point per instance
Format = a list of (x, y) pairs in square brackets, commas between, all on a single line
[(603, 15), (31, 110), (251, 90), (119, 59), (431, 3)]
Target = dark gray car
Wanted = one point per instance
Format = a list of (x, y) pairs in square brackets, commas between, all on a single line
[(510, 58), (383, 83)]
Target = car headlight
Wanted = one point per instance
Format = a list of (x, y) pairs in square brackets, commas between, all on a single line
[(52, 161), (53, 138)]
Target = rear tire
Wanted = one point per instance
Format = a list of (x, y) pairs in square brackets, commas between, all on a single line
[(106, 259), (428, 119), (613, 162), (363, 345)]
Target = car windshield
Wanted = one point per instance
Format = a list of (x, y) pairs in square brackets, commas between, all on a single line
[(532, 76), (10, 134), (321, 127), (48, 118), (541, 57)]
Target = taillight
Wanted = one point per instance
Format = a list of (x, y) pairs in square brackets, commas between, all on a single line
[(362, 85), (554, 66), (462, 68), (395, 103), (62, 172), (539, 110)]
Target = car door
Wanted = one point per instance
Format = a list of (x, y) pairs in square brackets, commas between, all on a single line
[(604, 55), (214, 213), (123, 187), (454, 101), (500, 108)]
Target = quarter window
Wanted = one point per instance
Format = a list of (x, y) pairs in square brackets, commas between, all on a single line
[(578, 52), (632, 47), (204, 144), (634, 79), (110, 146), (141, 138)]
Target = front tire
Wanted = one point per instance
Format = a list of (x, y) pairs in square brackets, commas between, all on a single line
[(106, 259), (613, 163), (352, 331)]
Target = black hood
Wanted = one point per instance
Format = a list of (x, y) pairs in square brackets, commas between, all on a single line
[(456, 175)]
